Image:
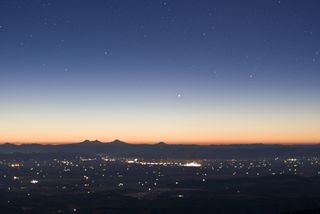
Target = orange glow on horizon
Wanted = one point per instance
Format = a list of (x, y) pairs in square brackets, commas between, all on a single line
[(186, 128), (199, 141)]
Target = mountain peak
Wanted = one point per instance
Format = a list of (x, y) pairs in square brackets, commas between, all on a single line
[(118, 142), (91, 142), (161, 143)]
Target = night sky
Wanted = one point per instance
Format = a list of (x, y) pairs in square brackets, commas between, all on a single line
[(179, 71)]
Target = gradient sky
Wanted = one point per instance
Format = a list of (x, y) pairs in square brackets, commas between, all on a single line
[(191, 71)]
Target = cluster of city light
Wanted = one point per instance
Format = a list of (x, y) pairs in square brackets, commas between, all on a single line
[(108, 159), (90, 170), (87, 159), (192, 164), (164, 163), (16, 165), (34, 181)]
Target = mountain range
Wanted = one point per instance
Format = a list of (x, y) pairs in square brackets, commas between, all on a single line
[(163, 150)]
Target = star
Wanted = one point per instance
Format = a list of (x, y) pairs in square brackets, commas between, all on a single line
[(214, 73)]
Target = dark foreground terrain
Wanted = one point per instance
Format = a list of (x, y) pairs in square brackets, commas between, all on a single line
[(74, 183), (265, 195)]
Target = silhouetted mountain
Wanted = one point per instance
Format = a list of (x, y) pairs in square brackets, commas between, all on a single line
[(91, 142), (163, 150), (161, 144), (118, 142)]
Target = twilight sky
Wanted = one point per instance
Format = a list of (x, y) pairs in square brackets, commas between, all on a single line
[(180, 71)]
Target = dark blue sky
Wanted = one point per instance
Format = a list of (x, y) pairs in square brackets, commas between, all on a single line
[(121, 67)]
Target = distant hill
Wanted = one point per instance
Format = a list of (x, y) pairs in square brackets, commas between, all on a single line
[(163, 150)]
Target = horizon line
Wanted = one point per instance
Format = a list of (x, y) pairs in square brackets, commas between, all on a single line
[(152, 143)]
